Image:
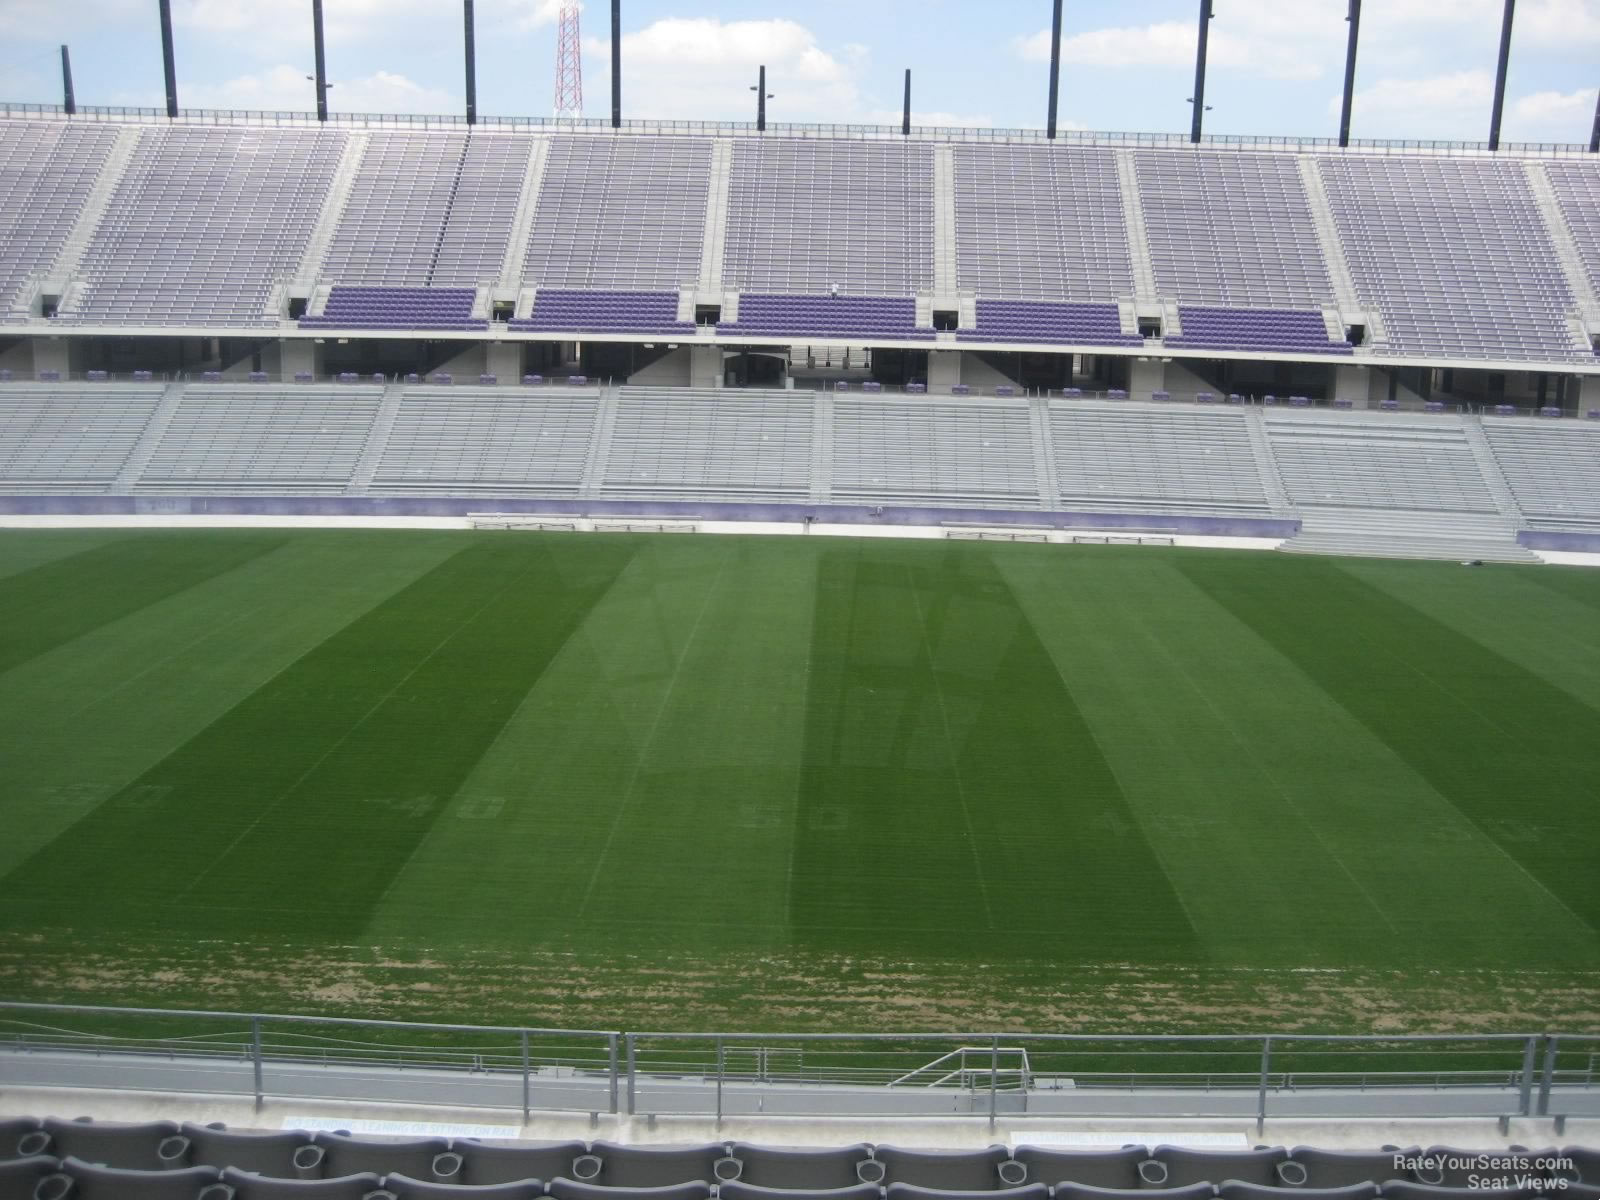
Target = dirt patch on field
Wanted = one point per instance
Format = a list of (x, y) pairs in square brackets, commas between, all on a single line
[(793, 992)]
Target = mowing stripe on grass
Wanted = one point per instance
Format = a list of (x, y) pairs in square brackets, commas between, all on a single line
[(24, 549), (57, 601), (1293, 834), (1515, 754), (80, 723), (946, 764), (290, 814)]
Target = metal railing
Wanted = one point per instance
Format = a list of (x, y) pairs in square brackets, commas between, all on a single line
[(751, 1074), (601, 126)]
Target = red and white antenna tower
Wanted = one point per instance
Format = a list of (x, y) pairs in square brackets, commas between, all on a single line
[(569, 63)]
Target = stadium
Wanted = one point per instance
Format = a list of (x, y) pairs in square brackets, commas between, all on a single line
[(667, 658)]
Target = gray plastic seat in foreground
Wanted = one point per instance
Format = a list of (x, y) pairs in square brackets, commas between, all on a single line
[(747, 1191), (415, 1157), (141, 1146), (952, 1170), (1185, 1166), (1074, 1191), (652, 1166), (20, 1176), (787, 1167), (1586, 1159), (1400, 1189), (402, 1188), (1342, 1168), (1234, 1190), (12, 1131), (1091, 1168), (265, 1153), (92, 1181), (571, 1189), (488, 1162), (910, 1191), (261, 1187)]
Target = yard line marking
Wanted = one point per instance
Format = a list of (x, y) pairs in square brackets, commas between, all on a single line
[(950, 753), (649, 738)]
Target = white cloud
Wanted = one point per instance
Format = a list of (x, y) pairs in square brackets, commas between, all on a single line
[(1454, 105), (702, 68), (286, 87), (1258, 39), (1551, 116), (1559, 23), (51, 20)]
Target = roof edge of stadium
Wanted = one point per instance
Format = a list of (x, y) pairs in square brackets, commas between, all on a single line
[(602, 127)]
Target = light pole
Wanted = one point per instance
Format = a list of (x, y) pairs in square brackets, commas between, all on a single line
[(762, 96)]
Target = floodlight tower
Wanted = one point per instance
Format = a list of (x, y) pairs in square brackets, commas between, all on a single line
[(569, 63)]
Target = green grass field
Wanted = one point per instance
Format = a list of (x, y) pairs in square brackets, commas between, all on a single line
[(786, 783)]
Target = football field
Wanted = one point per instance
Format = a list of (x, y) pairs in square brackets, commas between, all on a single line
[(798, 783)]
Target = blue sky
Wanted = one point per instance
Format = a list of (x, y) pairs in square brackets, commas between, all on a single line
[(1426, 68)]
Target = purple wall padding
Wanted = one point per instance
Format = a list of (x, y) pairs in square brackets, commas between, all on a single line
[(1551, 539), (834, 514)]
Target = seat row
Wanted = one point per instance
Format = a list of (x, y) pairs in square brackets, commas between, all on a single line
[(165, 1149)]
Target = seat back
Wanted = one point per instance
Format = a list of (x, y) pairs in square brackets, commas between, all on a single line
[(790, 1167), (951, 1170), (488, 1162), (137, 1146), (1185, 1166), (654, 1166), (1089, 1168), (403, 1188), (415, 1157), (269, 1153), (92, 1181), (262, 1187)]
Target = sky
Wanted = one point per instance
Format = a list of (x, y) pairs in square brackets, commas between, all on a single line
[(1426, 67)]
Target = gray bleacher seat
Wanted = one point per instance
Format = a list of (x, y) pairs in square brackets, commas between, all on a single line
[(1344, 1168), (746, 1191), (652, 1166), (910, 1191), (138, 1146), (1400, 1189), (789, 1167), (12, 1131), (1234, 1190), (1077, 1191), (959, 1170), (572, 1189), (1185, 1166), (489, 1162), (1113, 1169), (19, 1177), (420, 1158), (1452, 1167), (404, 1188), (260, 1187), (261, 1153), (92, 1181)]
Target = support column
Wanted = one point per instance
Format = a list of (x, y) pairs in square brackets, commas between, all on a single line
[(1588, 394), (1500, 74), (52, 354), (169, 67), (944, 370), (1351, 382), (1146, 375), (705, 367), (297, 355), (505, 361)]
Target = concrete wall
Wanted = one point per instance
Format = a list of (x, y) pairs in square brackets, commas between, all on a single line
[(670, 370), (298, 354), (1146, 375), (705, 366), (372, 506), (1353, 382), (52, 354), (944, 369), (979, 374)]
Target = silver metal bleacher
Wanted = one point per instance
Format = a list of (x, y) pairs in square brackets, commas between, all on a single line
[(675, 443), (67, 438), (1142, 458), (975, 453), (1552, 468), (250, 439), (462, 441)]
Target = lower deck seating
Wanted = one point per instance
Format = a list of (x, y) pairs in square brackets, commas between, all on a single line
[(480, 441), (1355, 462), (672, 443), (57, 438), (248, 439), (946, 453), (1553, 470), (1139, 458)]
